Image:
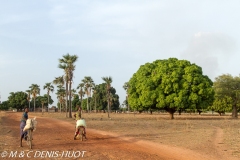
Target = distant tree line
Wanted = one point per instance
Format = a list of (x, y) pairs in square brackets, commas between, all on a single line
[(170, 84), (88, 95)]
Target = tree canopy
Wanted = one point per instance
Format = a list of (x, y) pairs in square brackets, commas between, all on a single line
[(170, 84), (102, 97), (228, 86), (222, 105), (18, 100)]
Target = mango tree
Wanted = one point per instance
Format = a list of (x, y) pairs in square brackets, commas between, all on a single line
[(172, 85)]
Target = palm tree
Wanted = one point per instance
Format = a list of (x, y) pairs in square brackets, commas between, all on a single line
[(81, 92), (126, 87), (88, 82), (60, 95), (43, 101), (35, 90), (65, 80), (29, 98), (95, 91), (49, 88), (67, 64), (108, 81), (60, 81)]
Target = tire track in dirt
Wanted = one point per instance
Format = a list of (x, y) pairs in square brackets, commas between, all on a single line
[(221, 150)]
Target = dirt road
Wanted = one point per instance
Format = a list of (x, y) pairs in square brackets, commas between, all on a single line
[(53, 139)]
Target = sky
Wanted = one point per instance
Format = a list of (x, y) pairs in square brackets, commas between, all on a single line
[(113, 38)]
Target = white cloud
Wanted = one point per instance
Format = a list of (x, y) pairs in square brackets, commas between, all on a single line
[(208, 49)]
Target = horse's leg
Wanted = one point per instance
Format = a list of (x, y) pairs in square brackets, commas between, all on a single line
[(21, 141)]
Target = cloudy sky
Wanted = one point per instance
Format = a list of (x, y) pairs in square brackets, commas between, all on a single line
[(113, 38)]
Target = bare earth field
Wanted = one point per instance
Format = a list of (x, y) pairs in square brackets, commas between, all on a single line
[(124, 136)]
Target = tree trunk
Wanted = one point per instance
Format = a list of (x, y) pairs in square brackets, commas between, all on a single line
[(34, 104), (171, 112), (199, 112), (171, 115), (179, 112), (48, 103), (234, 112), (66, 103), (87, 105), (95, 105), (108, 105), (90, 109), (42, 109), (70, 99)]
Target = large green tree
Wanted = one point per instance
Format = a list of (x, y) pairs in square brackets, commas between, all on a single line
[(17, 100), (40, 99), (75, 102), (227, 85), (170, 84), (4, 105), (67, 64)]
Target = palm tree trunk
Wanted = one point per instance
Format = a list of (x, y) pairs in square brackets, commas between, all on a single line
[(95, 105), (90, 109), (108, 105), (66, 98), (60, 107), (29, 105), (34, 104), (70, 100), (42, 109), (81, 100), (87, 105), (48, 103), (127, 104)]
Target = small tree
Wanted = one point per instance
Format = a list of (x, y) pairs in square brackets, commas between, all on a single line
[(222, 105)]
